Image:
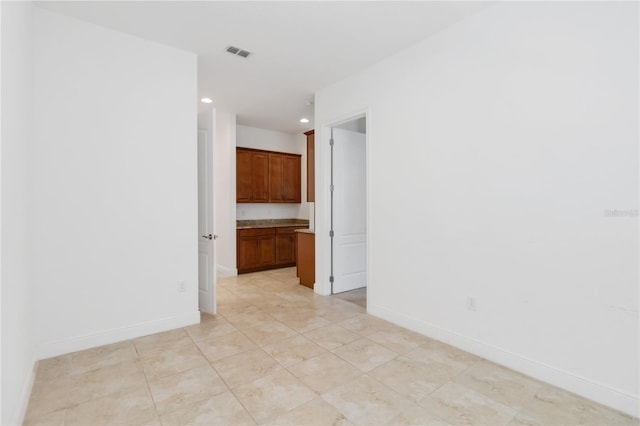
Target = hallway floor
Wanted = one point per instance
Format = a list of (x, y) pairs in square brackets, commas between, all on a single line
[(279, 354), (357, 296)]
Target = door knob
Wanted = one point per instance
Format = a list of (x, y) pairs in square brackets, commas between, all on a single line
[(208, 236)]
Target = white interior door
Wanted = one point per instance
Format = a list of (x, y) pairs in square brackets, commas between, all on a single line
[(349, 211), (206, 235)]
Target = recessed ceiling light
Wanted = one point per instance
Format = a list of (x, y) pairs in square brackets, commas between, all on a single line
[(304, 120), (206, 100)]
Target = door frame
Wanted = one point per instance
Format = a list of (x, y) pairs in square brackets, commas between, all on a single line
[(323, 198)]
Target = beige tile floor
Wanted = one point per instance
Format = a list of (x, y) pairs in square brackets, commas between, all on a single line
[(277, 354), (357, 296)]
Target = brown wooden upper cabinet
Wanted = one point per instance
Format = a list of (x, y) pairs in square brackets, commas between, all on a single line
[(267, 177), (311, 166), (284, 178), (252, 176)]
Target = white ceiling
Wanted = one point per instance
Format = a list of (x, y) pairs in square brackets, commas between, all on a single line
[(298, 47)]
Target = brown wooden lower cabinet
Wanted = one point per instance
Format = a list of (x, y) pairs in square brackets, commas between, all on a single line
[(306, 265), (286, 246), (260, 249), (256, 249)]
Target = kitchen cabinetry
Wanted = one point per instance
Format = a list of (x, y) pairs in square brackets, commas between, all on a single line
[(306, 257), (284, 178), (311, 166), (256, 249), (252, 176), (267, 176), (286, 246), (266, 248)]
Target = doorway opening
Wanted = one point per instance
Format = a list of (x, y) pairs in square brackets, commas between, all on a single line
[(348, 210)]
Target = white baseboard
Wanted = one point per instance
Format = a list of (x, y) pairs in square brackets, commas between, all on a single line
[(25, 395), (582, 386), (224, 272), (73, 344)]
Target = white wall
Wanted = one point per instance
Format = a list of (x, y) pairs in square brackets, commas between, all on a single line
[(115, 185), (495, 148), (18, 328), (251, 137)]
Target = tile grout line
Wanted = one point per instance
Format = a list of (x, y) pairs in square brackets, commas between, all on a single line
[(153, 400), (258, 347), (175, 374), (229, 388), (269, 355), (286, 368)]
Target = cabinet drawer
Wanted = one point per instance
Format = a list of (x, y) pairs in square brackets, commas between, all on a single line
[(256, 232)]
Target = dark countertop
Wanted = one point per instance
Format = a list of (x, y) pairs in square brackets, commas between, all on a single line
[(270, 223)]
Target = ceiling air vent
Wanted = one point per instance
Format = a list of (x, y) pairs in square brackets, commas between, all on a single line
[(238, 52)]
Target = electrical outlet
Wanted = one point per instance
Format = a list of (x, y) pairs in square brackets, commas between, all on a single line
[(472, 304), (182, 286)]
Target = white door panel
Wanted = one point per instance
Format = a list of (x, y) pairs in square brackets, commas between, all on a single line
[(206, 260), (203, 271), (349, 211)]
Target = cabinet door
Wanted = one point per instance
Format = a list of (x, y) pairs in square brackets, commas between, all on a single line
[(248, 253), (286, 249), (291, 178), (267, 177), (255, 249), (275, 178), (244, 185), (260, 177), (286, 245), (266, 251)]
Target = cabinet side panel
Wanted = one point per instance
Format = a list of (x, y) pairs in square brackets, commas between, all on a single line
[(311, 169)]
